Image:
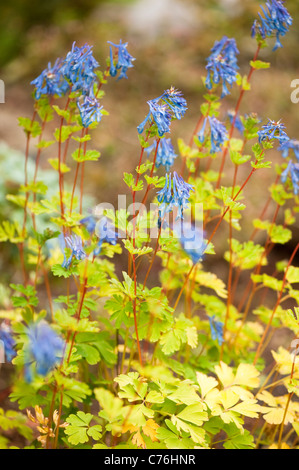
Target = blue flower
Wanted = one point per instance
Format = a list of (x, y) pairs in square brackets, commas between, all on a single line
[(90, 223), (105, 231), (8, 341), (160, 115), (90, 110), (165, 153), (74, 242), (51, 81), (273, 130), (292, 170), (79, 68), (176, 193), (218, 133), (216, 330), (191, 239), (163, 109), (222, 65), (288, 145), (124, 60), (276, 21), (175, 101), (238, 123), (44, 349)]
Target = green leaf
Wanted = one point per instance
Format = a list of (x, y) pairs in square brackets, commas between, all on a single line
[(38, 187), (90, 353), (267, 281), (144, 167), (172, 440), (111, 406), (10, 232), (90, 155), (259, 64), (237, 439), (54, 162), (292, 275), (47, 234), (65, 113), (238, 158), (130, 182), (32, 128), (243, 82), (136, 251), (43, 144), (277, 233), (194, 414), (86, 138), (79, 429), (44, 109), (280, 234), (143, 142), (29, 293), (26, 395), (16, 199), (246, 255), (60, 271), (186, 393), (62, 133)]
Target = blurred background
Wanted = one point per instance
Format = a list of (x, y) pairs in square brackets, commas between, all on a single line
[(170, 40)]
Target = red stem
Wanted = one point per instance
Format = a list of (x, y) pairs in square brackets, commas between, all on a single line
[(242, 92), (276, 305)]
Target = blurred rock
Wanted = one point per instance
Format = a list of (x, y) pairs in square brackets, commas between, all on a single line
[(151, 18)]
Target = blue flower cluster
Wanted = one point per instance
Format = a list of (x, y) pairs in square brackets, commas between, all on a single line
[(51, 81), (77, 73), (75, 244), (79, 68), (273, 130), (45, 349), (292, 169), (276, 21), (90, 110), (218, 133), (192, 240), (163, 109), (222, 65), (238, 123), (289, 145), (103, 229), (8, 341), (124, 60), (216, 328), (165, 153), (176, 193), (276, 131)]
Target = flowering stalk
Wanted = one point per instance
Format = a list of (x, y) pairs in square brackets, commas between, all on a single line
[(214, 232), (236, 111), (230, 273)]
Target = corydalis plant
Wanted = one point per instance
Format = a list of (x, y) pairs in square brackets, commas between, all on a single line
[(165, 153), (163, 109), (124, 60), (128, 316), (275, 21), (175, 194), (222, 66)]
